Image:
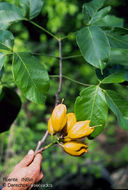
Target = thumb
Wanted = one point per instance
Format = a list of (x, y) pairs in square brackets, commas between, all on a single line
[(27, 159)]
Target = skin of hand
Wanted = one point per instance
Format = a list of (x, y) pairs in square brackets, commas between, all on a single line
[(29, 167)]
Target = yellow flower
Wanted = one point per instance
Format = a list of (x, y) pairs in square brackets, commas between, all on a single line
[(80, 129), (71, 120), (50, 127), (75, 148), (59, 117), (67, 139)]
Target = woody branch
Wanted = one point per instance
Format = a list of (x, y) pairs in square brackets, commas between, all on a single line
[(39, 149), (60, 72)]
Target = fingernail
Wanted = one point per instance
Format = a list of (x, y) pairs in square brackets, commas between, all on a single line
[(30, 152)]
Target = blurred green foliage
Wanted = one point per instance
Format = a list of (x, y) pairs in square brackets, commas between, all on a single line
[(61, 17)]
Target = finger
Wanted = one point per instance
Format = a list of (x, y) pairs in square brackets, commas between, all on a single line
[(27, 159), (30, 187), (40, 177), (36, 162)]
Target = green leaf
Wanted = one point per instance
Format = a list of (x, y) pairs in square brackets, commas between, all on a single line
[(119, 106), (110, 21), (109, 70), (120, 31), (90, 9), (3, 26), (100, 14), (31, 77), (116, 77), (119, 56), (91, 105), (2, 59), (31, 8), (117, 41), (6, 40), (93, 45), (9, 13)]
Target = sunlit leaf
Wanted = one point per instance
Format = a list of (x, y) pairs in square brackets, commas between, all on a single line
[(93, 45), (2, 59), (111, 21), (116, 77), (9, 13), (91, 105), (119, 107), (31, 8), (31, 77), (117, 41), (90, 9), (100, 14), (6, 40), (119, 56)]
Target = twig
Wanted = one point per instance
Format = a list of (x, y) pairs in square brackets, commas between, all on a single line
[(42, 28), (66, 77), (72, 56), (44, 148), (69, 35), (45, 55), (60, 73), (41, 142), (40, 150)]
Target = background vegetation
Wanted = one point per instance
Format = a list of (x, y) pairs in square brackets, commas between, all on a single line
[(108, 152)]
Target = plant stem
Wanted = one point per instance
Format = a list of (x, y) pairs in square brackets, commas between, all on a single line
[(64, 58), (69, 35), (72, 56), (46, 147), (42, 28), (40, 150), (60, 73), (75, 81), (39, 144), (44, 55)]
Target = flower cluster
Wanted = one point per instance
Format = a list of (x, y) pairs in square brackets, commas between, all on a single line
[(71, 131)]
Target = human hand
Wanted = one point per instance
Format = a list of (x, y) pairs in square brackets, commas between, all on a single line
[(26, 173)]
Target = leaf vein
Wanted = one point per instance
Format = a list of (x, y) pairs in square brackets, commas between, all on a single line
[(27, 70), (93, 103), (94, 45)]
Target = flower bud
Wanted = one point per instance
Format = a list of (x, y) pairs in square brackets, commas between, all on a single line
[(80, 130), (75, 148), (59, 117), (71, 120), (50, 127)]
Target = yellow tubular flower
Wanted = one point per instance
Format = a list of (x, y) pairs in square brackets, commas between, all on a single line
[(80, 130), (50, 127), (67, 139), (75, 148), (71, 120), (59, 117)]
